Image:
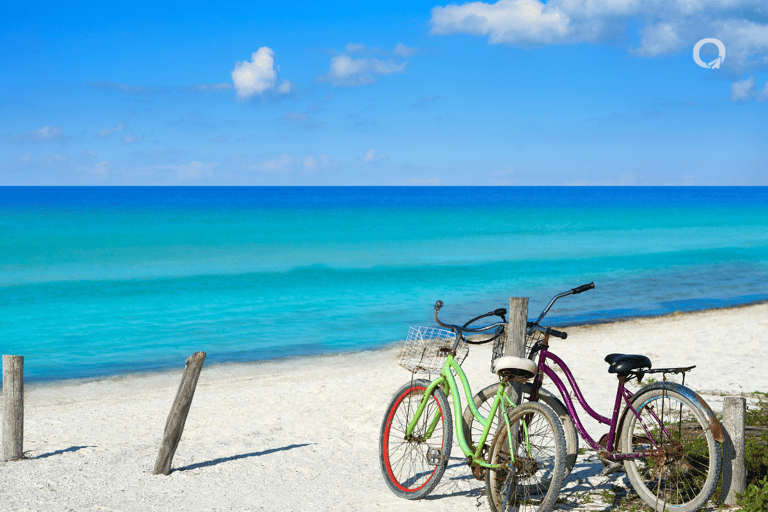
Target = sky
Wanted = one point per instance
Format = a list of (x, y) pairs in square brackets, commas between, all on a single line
[(513, 92)]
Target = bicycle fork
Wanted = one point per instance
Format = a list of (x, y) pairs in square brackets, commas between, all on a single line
[(434, 456)]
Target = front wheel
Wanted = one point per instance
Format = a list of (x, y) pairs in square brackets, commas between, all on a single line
[(484, 400), (678, 461), (532, 453), (413, 465)]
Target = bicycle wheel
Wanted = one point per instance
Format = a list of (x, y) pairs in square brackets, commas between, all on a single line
[(534, 464), (681, 465), (413, 466), (484, 400)]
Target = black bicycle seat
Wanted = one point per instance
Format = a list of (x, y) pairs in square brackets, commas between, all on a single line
[(624, 363)]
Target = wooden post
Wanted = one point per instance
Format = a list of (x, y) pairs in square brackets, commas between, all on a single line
[(13, 407), (178, 415), (514, 344), (734, 471)]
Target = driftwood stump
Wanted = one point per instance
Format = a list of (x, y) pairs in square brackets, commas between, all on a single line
[(13, 407), (734, 471), (514, 344), (178, 415)]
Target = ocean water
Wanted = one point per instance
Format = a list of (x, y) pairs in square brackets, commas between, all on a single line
[(104, 281)]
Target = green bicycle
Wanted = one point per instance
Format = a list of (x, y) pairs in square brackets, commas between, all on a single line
[(524, 465)]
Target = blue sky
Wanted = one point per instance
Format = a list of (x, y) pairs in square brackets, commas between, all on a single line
[(514, 92)]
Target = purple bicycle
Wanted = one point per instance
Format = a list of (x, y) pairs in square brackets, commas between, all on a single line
[(664, 435)]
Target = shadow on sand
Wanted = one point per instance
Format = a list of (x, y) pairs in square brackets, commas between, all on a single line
[(59, 452), (236, 457)]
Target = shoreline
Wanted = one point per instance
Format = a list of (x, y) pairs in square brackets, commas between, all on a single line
[(301, 434), (390, 345)]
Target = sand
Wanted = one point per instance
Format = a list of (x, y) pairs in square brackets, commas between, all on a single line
[(302, 434)]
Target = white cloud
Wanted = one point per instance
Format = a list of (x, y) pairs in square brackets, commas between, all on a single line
[(664, 27), (106, 132), (313, 164), (370, 155), (403, 51), (354, 48), (285, 87), (658, 39), (101, 169), (283, 163), (129, 138), (257, 76), (506, 21), (741, 91), (346, 71), (44, 134)]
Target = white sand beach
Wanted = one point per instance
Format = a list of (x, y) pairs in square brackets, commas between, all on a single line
[(302, 434)]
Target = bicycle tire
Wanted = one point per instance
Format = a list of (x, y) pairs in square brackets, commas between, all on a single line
[(404, 463), (484, 400), (683, 473), (539, 462)]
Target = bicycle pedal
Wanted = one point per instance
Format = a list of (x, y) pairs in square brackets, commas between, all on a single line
[(613, 467), (435, 456)]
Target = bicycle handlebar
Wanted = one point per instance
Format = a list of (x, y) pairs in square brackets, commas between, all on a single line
[(548, 330), (459, 329), (583, 288)]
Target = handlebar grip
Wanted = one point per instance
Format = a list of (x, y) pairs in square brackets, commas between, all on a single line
[(438, 305), (558, 334), (583, 288), (500, 312)]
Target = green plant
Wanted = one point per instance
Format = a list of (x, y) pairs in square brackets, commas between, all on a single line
[(755, 497)]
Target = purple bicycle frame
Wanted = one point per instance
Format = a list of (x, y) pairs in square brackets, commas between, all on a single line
[(621, 392)]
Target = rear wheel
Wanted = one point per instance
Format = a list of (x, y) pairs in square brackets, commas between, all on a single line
[(413, 465), (533, 462), (680, 465)]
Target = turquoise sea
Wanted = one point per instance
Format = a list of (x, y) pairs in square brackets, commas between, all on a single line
[(103, 281)]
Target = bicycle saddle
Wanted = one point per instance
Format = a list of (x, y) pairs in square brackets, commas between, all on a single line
[(515, 367), (624, 363)]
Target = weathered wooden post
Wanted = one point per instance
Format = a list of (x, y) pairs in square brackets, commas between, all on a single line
[(178, 415), (734, 471), (13, 407), (514, 344)]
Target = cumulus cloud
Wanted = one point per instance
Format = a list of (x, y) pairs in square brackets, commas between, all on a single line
[(347, 71), (258, 75), (506, 21), (281, 164), (44, 134), (403, 51), (664, 27), (659, 39), (371, 157), (101, 169), (742, 91), (108, 131), (313, 164)]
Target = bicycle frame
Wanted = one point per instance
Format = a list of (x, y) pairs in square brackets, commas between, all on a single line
[(446, 378), (621, 393)]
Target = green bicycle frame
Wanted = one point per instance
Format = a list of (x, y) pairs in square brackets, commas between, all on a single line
[(446, 377)]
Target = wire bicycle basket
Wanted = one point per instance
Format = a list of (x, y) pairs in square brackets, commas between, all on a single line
[(426, 349), (500, 341)]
